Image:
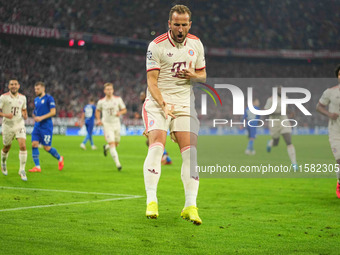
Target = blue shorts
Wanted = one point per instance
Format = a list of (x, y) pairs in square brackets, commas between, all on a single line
[(43, 136), (251, 132), (89, 128)]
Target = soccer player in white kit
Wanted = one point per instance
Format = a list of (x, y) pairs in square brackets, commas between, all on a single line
[(276, 130), (331, 98), (13, 106), (173, 60), (111, 107)]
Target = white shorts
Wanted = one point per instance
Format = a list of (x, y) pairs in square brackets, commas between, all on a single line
[(276, 129), (9, 133), (153, 117), (111, 132)]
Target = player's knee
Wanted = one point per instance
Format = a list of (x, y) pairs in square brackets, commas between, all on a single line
[(6, 148), (35, 144), (22, 147), (47, 148)]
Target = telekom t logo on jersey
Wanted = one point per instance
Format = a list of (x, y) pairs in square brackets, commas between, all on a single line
[(239, 102), (176, 67)]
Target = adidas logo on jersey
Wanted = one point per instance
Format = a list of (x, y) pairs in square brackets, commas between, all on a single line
[(170, 54)]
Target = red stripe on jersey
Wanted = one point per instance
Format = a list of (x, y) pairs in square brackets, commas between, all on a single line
[(160, 40), (191, 36), (145, 117), (153, 69), (160, 37), (197, 69)]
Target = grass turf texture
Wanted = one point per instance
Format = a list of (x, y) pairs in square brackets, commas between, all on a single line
[(246, 216)]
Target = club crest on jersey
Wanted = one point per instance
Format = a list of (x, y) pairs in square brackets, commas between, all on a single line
[(151, 123), (43, 101), (191, 52)]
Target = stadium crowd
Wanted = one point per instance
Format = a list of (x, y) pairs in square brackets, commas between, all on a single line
[(239, 24), (73, 76)]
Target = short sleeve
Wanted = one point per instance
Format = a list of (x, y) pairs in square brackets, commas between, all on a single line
[(121, 104), (99, 106), (325, 98), (152, 57), (200, 64), (51, 102), (24, 104)]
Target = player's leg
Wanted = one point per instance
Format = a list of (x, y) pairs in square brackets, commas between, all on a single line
[(90, 137), (83, 144), (251, 135), (335, 146), (290, 149), (47, 144), (152, 170), (187, 142), (338, 179), (166, 160), (22, 157), (7, 138), (109, 134)]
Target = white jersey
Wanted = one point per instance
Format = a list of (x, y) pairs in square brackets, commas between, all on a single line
[(169, 57), (14, 105), (110, 108), (331, 98), (277, 113)]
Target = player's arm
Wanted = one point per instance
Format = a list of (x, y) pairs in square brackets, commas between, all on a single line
[(6, 115), (45, 116), (24, 114), (82, 118), (152, 80), (322, 109), (98, 120), (121, 112)]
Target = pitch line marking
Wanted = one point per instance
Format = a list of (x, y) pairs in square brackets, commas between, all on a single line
[(71, 203), (67, 191)]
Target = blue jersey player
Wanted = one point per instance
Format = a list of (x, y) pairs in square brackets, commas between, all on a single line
[(44, 110), (88, 118), (248, 115)]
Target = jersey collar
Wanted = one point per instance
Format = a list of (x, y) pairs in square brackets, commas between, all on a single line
[(176, 44)]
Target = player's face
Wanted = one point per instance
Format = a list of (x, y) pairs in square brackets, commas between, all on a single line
[(179, 26), (39, 90), (13, 86), (108, 91)]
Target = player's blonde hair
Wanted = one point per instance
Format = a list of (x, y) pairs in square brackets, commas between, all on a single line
[(180, 9), (39, 83), (108, 84)]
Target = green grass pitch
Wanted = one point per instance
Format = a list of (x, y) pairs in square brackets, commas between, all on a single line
[(240, 215)]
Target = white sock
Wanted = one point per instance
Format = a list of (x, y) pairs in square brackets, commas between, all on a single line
[(114, 155), (152, 171), (22, 159), (4, 157), (291, 153), (189, 175), (107, 146)]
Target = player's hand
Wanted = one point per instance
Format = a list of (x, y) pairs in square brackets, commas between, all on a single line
[(167, 111), (118, 114), (99, 123), (8, 116), (188, 73), (333, 116), (38, 119)]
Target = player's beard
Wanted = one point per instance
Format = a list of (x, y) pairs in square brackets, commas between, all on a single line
[(14, 92)]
